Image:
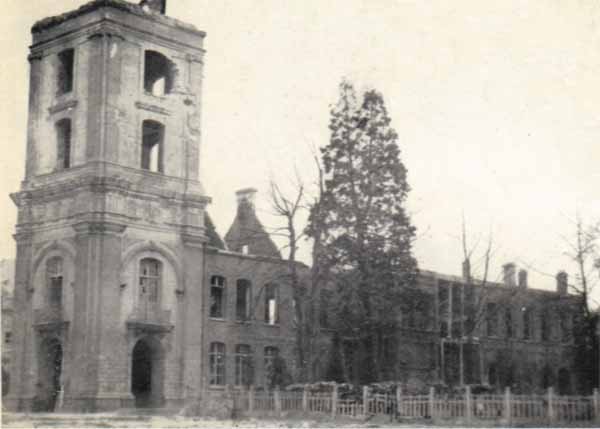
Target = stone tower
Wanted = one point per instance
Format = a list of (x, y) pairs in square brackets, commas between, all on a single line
[(110, 231)]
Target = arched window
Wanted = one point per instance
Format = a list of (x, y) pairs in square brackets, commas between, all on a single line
[(244, 371), (159, 74), (217, 364), (150, 279), (63, 144), (54, 278), (64, 72), (271, 304), (153, 134), (242, 300)]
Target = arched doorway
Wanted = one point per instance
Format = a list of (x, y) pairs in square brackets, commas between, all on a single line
[(50, 369), (147, 373)]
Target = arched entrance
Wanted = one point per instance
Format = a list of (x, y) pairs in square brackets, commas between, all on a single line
[(147, 373), (50, 369)]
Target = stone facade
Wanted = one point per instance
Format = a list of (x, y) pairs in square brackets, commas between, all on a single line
[(512, 335), (114, 260)]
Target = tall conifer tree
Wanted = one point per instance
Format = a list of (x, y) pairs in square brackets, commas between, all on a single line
[(367, 233)]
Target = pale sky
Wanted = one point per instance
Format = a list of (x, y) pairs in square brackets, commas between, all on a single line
[(496, 104)]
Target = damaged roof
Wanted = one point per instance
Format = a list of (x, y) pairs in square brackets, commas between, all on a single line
[(123, 5)]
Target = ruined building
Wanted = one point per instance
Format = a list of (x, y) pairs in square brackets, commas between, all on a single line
[(125, 293)]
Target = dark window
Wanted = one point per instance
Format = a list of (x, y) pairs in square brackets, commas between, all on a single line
[(217, 364), (324, 308), (491, 320), (242, 300), (564, 327), (244, 371), (271, 354), (159, 74), (7, 337), (153, 134), (150, 279), (527, 323), (508, 323), (63, 144), (65, 71), (54, 273), (271, 298), (217, 296), (545, 327), (444, 309)]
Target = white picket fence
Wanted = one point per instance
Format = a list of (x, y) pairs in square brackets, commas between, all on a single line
[(508, 408)]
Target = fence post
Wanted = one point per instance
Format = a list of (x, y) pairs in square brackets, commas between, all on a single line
[(398, 400), (365, 400), (432, 402), (334, 400), (305, 399), (507, 405), (251, 398), (277, 399), (551, 415), (468, 404), (596, 405)]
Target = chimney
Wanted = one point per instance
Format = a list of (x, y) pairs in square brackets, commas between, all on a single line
[(466, 270), (509, 270), (246, 197), (562, 282), (158, 6), (523, 279)]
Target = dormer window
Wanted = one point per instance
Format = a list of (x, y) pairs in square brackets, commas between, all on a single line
[(64, 75), (159, 74), (63, 144), (152, 146)]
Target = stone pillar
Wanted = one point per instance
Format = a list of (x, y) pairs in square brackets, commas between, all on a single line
[(550, 398), (22, 365), (468, 404), (432, 402), (98, 376), (334, 400), (35, 78), (507, 406), (192, 347), (365, 400)]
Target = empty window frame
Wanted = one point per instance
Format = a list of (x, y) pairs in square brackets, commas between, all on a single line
[(63, 144), (244, 371), (508, 322), (271, 304), (527, 323), (217, 364), (243, 299), (150, 279), (54, 278), (544, 326), (153, 135), (271, 354), (217, 296), (64, 75), (491, 320), (159, 74)]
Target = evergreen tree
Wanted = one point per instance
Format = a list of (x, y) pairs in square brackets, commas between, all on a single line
[(367, 234)]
